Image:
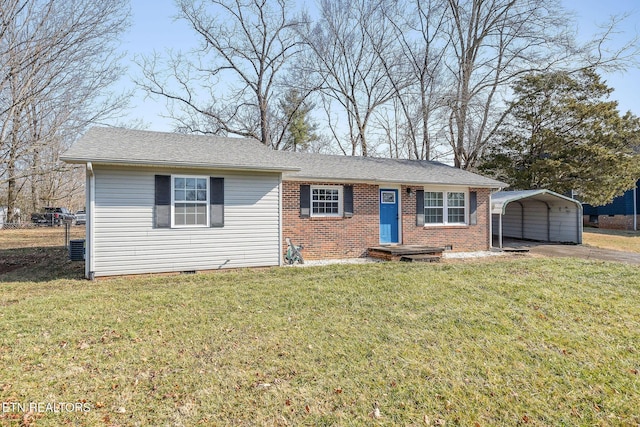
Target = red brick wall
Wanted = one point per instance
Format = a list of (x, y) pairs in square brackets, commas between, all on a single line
[(460, 238), (331, 237), (327, 238), (614, 222)]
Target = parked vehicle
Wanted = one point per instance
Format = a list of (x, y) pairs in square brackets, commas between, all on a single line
[(81, 217), (52, 216)]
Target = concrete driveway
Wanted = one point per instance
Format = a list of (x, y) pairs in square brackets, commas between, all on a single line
[(575, 251)]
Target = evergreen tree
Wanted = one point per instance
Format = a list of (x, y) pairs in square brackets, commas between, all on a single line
[(301, 130), (563, 134)]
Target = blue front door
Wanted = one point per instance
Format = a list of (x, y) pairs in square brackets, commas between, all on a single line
[(388, 216)]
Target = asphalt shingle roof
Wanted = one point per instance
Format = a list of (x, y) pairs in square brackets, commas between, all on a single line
[(135, 147), (348, 168), (127, 146)]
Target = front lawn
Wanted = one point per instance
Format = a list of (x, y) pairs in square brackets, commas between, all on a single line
[(508, 342), (620, 240)]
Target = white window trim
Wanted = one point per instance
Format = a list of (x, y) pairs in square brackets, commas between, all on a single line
[(445, 207), (173, 202), (395, 196), (340, 201)]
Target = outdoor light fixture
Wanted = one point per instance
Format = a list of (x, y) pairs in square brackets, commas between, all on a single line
[(409, 191)]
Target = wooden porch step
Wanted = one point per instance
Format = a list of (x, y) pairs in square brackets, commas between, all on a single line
[(515, 250), (420, 258), (397, 252)]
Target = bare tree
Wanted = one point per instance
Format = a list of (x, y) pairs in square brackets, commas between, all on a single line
[(246, 43), (492, 43), (352, 53), (418, 75), (57, 60), (418, 26)]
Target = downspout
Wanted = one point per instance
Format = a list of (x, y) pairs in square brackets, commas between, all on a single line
[(490, 221), (490, 216), (280, 219), (90, 233)]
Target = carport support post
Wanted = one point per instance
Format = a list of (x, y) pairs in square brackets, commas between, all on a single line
[(635, 209), (548, 222), (500, 231)]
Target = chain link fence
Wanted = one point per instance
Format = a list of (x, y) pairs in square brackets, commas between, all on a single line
[(18, 226), (27, 234)]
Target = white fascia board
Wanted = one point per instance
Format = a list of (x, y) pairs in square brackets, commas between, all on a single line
[(181, 165), (336, 180)]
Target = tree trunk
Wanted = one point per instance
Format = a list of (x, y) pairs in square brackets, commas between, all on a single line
[(35, 190), (426, 143), (12, 193)]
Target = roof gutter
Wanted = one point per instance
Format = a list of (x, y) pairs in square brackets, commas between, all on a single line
[(184, 165), (300, 178)]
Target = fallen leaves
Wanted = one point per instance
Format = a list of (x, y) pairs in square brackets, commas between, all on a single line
[(29, 418), (375, 414), (436, 422), (109, 335)]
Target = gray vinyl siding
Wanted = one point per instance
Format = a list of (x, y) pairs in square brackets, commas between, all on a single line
[(126, 241)]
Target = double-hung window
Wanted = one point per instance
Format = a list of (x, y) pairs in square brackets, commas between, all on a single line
[(190, 201), (456, 213), (326, 200), (433, 207), (445, 207)]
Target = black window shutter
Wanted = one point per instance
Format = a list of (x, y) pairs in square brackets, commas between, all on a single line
[(162, 201), (216, 202), (473, 207), (305, 201), (347, 194), (420, 208)]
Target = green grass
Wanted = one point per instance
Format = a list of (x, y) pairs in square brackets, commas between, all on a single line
[(521, 341), (621, 240)]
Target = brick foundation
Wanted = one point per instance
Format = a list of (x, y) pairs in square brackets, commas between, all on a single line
[(611, 222), (331, 238)]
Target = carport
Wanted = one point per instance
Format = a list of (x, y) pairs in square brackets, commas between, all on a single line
[(538, 215)]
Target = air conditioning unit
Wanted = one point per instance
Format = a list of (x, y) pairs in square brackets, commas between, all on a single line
[(76, 250)]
